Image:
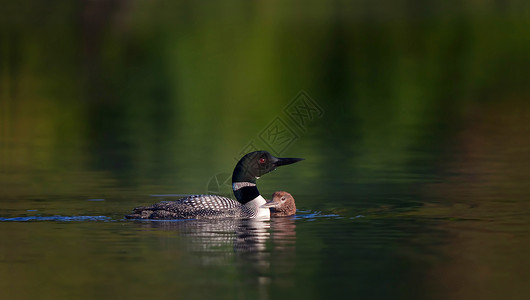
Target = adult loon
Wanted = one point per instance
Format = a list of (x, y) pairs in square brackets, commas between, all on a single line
[(281, 205), (249, 202)]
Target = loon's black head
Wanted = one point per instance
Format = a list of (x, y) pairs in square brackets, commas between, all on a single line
[(255, 164)]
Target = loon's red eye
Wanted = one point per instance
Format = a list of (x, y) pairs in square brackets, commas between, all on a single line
[(261, 160)]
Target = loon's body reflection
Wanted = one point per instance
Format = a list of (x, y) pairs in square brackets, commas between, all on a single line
[(253, 247), (254, 238)]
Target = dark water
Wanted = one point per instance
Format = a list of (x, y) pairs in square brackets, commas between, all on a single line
[(413, 120)]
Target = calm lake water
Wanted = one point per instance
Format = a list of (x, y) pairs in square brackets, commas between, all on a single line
[(413, 122)]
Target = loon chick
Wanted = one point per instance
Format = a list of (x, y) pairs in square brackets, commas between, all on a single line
[(281, 205), (249, 202)]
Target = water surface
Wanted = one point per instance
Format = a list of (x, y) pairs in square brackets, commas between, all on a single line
[(413, 121)]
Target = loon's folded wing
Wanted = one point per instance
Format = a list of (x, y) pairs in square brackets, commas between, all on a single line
[(191, 207), (207, 202)]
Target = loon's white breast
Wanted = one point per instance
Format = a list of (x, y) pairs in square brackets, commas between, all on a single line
[(263, 212)]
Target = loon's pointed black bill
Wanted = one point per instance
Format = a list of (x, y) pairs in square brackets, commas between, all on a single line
[(286, 161)]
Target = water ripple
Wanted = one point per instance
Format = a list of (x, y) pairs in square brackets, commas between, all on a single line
[(313, 215), (56, 218)]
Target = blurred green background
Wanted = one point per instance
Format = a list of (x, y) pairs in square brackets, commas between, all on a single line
[(133, 94)]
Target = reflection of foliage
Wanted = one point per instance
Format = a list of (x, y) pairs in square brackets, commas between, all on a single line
[(132, 94)]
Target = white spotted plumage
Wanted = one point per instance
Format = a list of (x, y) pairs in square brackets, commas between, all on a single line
[(205, 207)]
